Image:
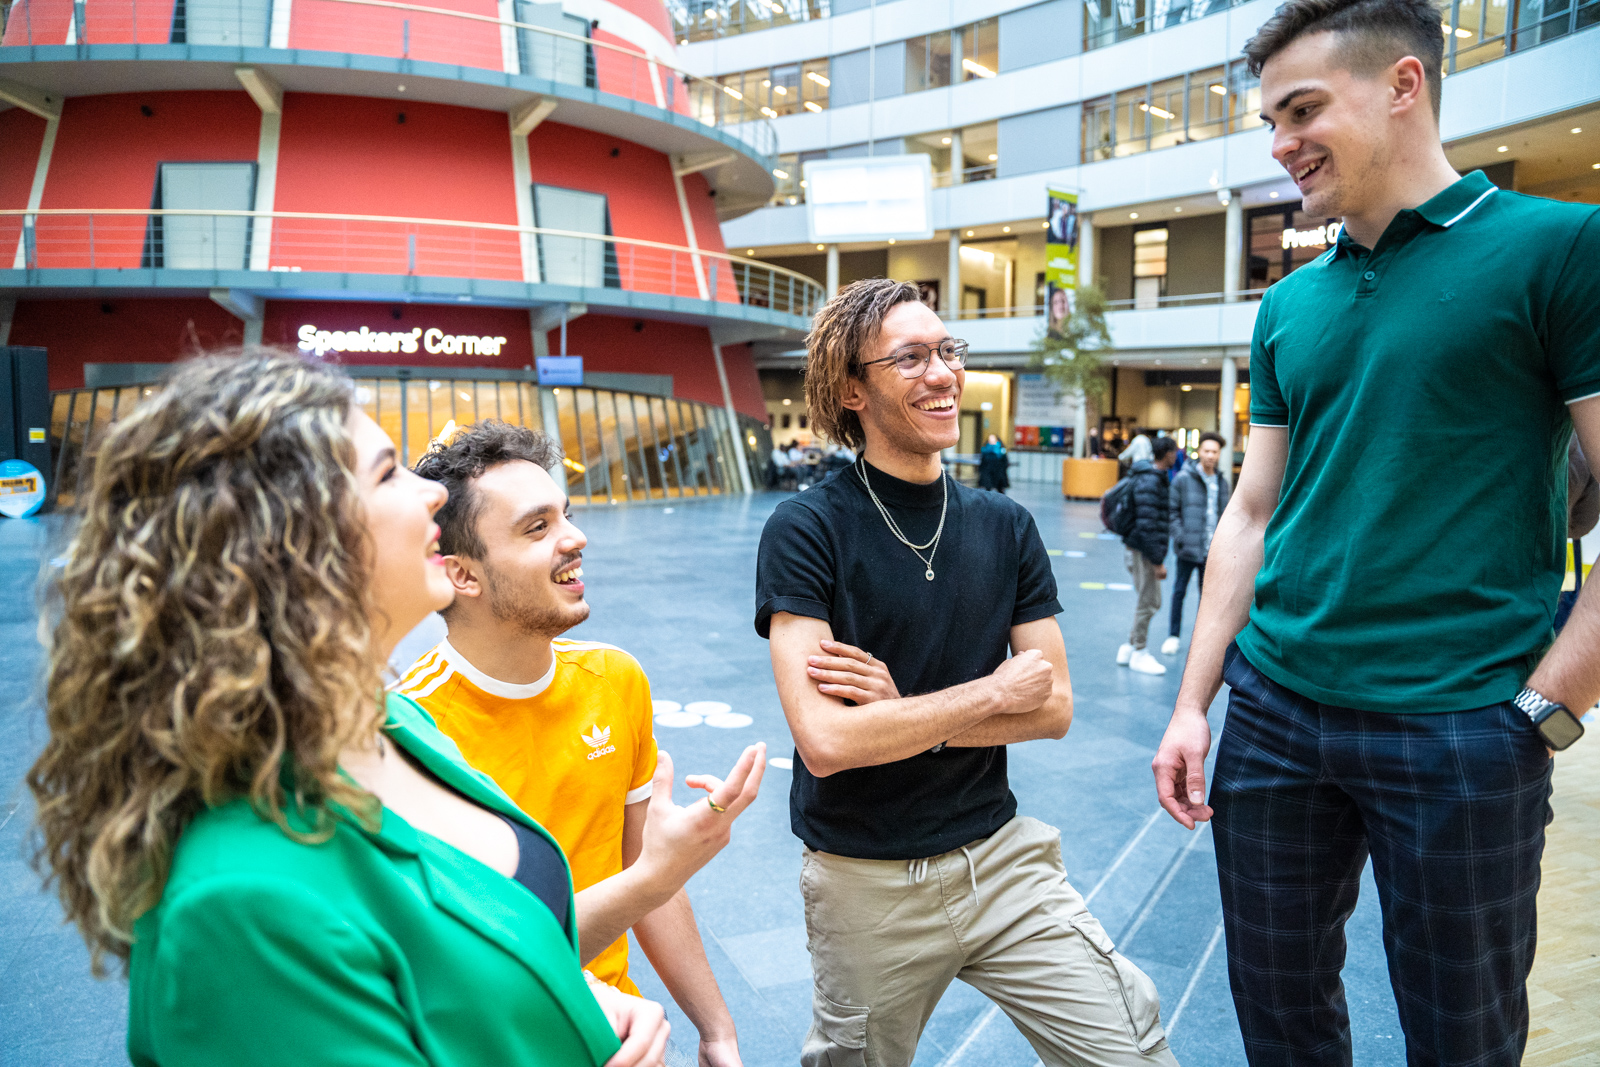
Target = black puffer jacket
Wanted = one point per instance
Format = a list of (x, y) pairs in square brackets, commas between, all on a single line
[(1150, 512), (1187, 502)]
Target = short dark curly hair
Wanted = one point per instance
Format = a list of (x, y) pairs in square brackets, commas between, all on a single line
[(462, 460), (1373, 34), (1217, 437)]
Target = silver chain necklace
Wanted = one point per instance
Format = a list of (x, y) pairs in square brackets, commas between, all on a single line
[(932, 543)]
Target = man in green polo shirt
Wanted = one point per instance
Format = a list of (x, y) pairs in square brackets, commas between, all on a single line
[(1384, 578)]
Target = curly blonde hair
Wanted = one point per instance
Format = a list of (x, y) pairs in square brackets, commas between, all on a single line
[(213, 631), (841, 330)]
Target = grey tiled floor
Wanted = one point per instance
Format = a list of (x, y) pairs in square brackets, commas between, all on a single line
[(673, 583)]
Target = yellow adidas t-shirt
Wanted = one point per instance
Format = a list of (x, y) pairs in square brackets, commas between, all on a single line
[(572, 749)]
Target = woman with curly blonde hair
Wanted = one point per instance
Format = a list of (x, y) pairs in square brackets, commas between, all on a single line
[(293, 869)]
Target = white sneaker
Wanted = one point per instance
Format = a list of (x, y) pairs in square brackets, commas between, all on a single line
[(1145, 663), (1169, 647), (1124, 654)]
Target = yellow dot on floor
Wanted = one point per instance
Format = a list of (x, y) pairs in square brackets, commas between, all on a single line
[(1091, 585), (1053, 551), (1085, 533)]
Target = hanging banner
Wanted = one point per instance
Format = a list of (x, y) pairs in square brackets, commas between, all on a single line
[(1060, 256)]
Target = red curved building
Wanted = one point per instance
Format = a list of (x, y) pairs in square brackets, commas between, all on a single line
[(436, 195)]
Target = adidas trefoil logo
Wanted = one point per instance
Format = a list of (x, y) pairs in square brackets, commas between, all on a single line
[(598, 739)]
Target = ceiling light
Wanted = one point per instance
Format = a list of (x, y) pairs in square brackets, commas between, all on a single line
[(1005, 229), (765, 82), (782, 175), (802, 183), (771, 114), (463, 396), (731, 91), (1577, 129), (1046, 225), (1219, 90), (400, 88), (945, 141), (891, 240), (1273, 195), (993, 157), (976, 68), (1595, 166), (819, 248), (1179, 209), (749, 251), (1186, 388), (969, 233), (819, 79), (1157, 111), (787, 401), (780, 90), (1133, 214), (812, 105), (1503, 148)]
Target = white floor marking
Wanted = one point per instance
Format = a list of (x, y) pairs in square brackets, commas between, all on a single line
[(661, 707), (1194, 980), (1127, 850), (1119, 586), (1073, 554), (728, 720), (678, 719), (783, 763), (707, 707), (972, 1035)]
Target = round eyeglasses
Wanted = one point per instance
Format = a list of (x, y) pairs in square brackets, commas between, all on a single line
[(912, 361)]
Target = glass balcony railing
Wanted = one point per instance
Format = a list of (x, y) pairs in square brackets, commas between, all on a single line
[(296, 242), (702, 20), (465, 37), (617, 446)]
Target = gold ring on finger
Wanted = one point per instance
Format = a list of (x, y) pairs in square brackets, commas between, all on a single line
[(718, 808)]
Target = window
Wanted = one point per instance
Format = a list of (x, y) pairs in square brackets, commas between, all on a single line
[(1283, 239), (240, 23), (771, 92), (928, 62), (1149, 267), (785, 84), (1109, 21), (702, 20), (936, 146), (1191, 107), (545, 55), (786, 176), (980, 49), (574, 260), (201, 242), (980, 148), (814, 83)]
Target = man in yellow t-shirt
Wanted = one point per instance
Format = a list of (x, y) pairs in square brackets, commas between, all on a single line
[(565, 727)]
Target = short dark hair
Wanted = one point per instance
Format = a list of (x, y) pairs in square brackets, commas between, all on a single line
[(1374, 34), (845, 325), (1162, 446), (457, 463), (1217, 437)]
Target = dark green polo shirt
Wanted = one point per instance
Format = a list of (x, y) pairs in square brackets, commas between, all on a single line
[(1417, 549)]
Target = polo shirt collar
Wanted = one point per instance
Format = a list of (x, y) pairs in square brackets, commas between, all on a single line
[(1459, 200)]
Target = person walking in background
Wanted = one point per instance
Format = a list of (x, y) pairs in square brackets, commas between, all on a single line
[(1198, 496), (565, 727), (1385, 631), (777, 466), (295, 869), (992, 466), (1144, 550), (1138, 450)]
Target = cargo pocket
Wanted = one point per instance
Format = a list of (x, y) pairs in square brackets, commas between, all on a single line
[(838, 1036), (1140, 1001)]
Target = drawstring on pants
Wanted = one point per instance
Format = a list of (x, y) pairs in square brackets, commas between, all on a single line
[(917, 870)]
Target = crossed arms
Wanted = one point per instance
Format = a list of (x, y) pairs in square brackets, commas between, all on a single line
[(1028, 696)]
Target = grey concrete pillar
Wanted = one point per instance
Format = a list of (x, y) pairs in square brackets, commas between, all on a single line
[(727, 394), (952, 297), (1085, 250), (958, 159), (1225, 420), (1233, 252), (833, 270)]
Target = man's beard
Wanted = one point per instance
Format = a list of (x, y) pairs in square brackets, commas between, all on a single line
[(510, 602)]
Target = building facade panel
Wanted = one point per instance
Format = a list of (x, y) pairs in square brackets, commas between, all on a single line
[(21, 136), (336, 26)]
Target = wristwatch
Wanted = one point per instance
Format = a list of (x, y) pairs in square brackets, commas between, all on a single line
[(1556, 723)]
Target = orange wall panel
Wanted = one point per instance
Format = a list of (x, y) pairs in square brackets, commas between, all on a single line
[(637, 181), (21, 134), (120, 331), (38, 22), (120, 21), (330, 26)]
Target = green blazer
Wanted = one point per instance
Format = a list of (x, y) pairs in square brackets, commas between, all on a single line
[(371, 948)]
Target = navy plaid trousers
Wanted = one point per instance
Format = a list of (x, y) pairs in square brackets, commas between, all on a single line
[(1452, 808)]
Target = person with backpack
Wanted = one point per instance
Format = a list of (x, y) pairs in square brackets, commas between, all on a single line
[(1198, 496), (1140, 515)]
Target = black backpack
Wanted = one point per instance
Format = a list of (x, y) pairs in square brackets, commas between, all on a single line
[(1116, 508)]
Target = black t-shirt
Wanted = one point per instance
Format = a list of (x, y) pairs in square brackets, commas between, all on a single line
[(828, 554)]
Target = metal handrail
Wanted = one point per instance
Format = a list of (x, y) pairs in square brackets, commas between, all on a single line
[(765, 140), (782, 287)]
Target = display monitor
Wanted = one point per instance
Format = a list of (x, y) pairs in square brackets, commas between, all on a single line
[(869, 199)]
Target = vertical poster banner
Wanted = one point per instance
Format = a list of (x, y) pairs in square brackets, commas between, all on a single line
[(1060, 257)]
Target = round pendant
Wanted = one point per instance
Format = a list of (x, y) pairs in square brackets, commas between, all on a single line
[(929, 574)]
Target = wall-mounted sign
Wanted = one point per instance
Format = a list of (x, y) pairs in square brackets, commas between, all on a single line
[(21, 488), (434, 341), (560, 370), (1320, 237), (1040, 402)]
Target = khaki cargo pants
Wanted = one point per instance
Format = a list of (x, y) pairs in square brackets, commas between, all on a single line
[(887, 936)]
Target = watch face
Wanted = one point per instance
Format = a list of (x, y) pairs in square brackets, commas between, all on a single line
[(1560, 728)]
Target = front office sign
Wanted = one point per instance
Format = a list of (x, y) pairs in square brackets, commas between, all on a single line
[(432, 340)]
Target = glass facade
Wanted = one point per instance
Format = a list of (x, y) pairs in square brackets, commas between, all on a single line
[(1281, 239), (617, 446), (1190, 107)]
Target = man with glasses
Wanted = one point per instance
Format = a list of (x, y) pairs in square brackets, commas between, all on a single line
[(892, 578)]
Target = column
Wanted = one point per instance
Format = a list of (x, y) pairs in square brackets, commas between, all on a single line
[(740, 453), (1232, 254), (1085, 249), (952, 280), (1225, 420), (833, 270), (958, 160)]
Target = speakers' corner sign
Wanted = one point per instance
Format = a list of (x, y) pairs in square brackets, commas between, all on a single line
[(1060, 255), (22, 489)]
